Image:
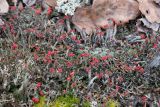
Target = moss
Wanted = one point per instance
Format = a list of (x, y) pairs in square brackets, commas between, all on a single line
[(112, 103), (62, 101), (42, 102), (86, 104), (66, 101)]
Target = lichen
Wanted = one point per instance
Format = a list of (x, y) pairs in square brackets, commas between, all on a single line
[(67, 7)]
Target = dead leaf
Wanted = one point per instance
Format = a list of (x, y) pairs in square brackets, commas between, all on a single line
[(153, 26), (51, 3), (99, 14), (121, 11), (157, 1), (82, 19), (140, 27), (156, 61), (4, 7), (150, 10), (29, 2)]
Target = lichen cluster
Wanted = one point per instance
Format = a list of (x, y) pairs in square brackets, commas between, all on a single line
[(67, 7)]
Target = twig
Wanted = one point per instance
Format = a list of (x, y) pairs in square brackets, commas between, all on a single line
[(91, 81), (1, 101)]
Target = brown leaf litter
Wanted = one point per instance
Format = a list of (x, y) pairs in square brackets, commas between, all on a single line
[(98, 15), (89, 18)]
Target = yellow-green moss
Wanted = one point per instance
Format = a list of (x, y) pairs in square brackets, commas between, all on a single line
[(66, 101), (41, 103), (112, 103), (62, 101), (86, 104)]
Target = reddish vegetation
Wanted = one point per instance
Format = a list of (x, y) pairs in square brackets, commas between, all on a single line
[(45, 55)]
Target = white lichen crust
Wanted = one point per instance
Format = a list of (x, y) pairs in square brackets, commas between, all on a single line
[(67, 7)]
